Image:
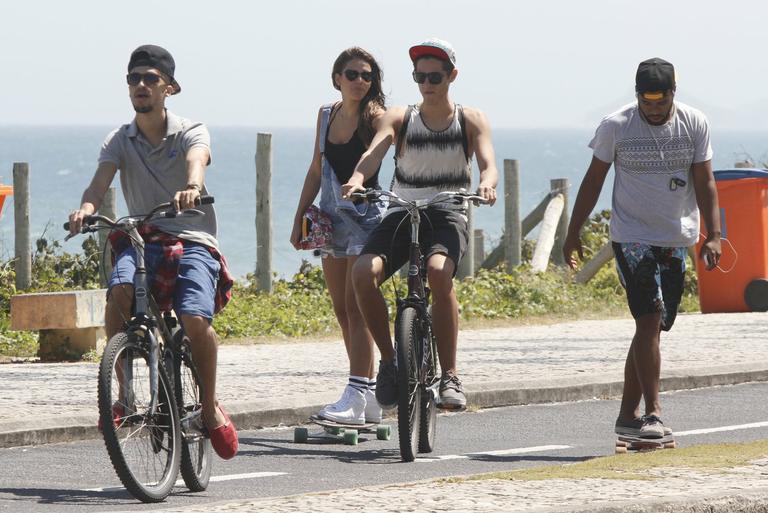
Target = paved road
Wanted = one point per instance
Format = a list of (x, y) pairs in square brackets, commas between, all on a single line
[(265, 385), (75, 477)]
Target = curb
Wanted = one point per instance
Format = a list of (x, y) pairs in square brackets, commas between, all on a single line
[(254, 415)]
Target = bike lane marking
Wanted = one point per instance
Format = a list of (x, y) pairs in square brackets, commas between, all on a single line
[(501, 452), (180, 482), (734, 427)]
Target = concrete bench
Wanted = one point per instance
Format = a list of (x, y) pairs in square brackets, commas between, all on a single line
[(70, 323)]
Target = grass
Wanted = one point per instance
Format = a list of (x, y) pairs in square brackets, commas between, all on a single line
[(635, 466)]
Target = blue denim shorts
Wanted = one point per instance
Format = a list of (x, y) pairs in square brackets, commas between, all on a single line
[(195, 284), (347, 240)]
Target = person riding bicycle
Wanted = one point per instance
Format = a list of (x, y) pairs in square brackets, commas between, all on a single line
[(662, 156), (436, 140), (161, 157)]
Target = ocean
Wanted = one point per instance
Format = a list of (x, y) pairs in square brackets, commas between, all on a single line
[(62, 161)]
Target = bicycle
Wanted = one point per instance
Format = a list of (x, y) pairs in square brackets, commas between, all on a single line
[(149, 389), (415, 346)]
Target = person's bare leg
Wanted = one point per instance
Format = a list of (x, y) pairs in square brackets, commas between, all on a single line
[(118, 310), (647, 356), (632, 393), (445, 310), (335, 273), (360, 347), (204, 344), (367, 275)]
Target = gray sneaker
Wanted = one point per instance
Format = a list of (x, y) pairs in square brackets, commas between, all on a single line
[(451, 393), (386, 385), (635, 427), (653, 427)]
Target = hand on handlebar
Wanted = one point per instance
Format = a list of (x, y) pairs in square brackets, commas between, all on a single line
[(76, 220), (488, 193), (350, 187), (185, 199)]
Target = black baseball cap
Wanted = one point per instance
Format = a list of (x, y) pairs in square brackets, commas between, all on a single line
[(654, 78), (155, 57)]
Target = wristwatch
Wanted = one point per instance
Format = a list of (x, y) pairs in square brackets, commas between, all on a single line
[(194, 186)]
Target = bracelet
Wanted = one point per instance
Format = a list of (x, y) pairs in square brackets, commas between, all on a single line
[(194, 186)]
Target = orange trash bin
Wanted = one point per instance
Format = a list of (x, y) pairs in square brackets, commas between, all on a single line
[(740, 282), (5, 190)]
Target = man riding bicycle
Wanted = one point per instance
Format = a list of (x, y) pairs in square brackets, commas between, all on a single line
[(162, 156), (436, 140)]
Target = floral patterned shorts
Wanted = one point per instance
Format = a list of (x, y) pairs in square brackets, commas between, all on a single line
[(653, 277)]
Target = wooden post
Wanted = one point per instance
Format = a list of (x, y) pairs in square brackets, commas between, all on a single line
[(108, 208), (22, 243), (590, 269), (560, 186), (467, 264), (264, 212), (546, 238), (479, 237), (512, 243)]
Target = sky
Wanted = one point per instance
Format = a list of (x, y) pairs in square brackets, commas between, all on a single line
[(540, 64)]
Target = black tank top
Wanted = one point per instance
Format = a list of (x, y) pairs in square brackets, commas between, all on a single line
[(344, 157)]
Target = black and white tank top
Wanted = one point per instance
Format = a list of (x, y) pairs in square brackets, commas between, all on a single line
[(430, 161)]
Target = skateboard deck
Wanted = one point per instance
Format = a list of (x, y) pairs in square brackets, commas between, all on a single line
[(634, 443), (348, 433)]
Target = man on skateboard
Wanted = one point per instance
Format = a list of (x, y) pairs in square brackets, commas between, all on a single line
[(662, 156)]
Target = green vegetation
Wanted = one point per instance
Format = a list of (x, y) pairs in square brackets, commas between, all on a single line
[(301, 307), (707, 458)]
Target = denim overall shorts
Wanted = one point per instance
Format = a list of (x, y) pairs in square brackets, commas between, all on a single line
[(351, 223)]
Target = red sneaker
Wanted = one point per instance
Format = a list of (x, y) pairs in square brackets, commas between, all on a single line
[(224, 438)]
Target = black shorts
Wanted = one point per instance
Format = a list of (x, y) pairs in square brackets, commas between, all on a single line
[(440, 232)]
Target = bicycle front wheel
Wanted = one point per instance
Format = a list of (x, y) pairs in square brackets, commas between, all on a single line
[(407, 328), (196, 450), (143, 445)]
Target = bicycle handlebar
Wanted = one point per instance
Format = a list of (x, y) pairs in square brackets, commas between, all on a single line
[(458, 197), (88, 221)]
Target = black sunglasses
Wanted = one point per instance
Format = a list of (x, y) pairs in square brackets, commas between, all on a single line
[(149, 79), (434, 77), (352, 75)]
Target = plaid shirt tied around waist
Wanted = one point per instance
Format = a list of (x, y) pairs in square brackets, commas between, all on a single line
[(163, 282)]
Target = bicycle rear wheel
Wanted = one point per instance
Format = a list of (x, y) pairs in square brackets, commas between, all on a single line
[(144, 447), (196, 450), (407, 328)]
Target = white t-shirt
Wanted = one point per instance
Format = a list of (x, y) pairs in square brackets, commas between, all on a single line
[(654, 201)]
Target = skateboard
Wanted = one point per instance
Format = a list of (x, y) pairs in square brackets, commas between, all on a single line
[(348, 433), (634, 443)]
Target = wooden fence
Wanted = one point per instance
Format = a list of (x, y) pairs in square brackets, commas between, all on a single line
[(551, 212)]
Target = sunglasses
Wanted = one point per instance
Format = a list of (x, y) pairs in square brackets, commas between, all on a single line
[(434, 77), (352, 75), (149, 79)]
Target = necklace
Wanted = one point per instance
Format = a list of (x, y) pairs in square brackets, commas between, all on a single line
[(659, 148)]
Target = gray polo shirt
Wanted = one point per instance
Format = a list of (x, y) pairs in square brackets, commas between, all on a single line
[(152, 175)]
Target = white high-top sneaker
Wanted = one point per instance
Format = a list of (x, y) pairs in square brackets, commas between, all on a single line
[(372, 408), (350, 409)]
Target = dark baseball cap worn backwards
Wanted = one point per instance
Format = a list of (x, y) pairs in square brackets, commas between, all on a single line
[(155, 57), (654, 78)]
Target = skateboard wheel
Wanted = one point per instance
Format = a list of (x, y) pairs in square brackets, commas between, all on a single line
[(670, 445), (383, 432), (300, 435), (621, 449), (350, 437)]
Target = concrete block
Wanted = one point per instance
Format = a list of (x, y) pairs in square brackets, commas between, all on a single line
[(70, 344), (58, 310)]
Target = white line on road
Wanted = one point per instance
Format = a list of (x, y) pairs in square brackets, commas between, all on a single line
[(720, 429), (502, 452), (180, 482)]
